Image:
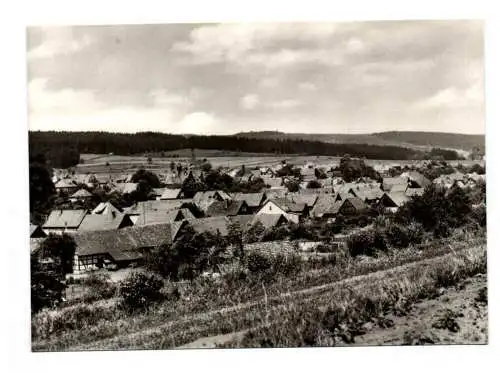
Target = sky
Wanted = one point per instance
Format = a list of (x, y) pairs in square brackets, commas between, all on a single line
[(349, 77)]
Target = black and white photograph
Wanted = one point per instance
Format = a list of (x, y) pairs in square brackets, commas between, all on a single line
[(257, 185)]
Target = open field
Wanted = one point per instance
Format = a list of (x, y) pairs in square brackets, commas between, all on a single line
[(114, 164), (211, 308)]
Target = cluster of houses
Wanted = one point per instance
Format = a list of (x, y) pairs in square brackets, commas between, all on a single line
[(110, 237)]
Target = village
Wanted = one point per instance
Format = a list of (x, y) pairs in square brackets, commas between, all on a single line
[(113, 232)]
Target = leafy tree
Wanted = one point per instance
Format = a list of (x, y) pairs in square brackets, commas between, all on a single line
[(150, 160), (313, 184), (254, 233), (47, 288), (42, 190), (206, 167), (148, 177), (138, 291), (235, 237), (172, 166), (58, 250), (293, 186)]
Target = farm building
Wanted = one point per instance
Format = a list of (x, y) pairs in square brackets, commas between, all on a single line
[(324, 206), (64, 221), (391, 202), (94, 249), (253, 200), (292, 211), (161, 216), (151, 211), (227, 208), (388, 183), (204, 199), (108, 219), (81, 195), (270, 220), (171, 194), (308, 199), (214, 225), (351, 206), (127, 187), (65, 186), (417, 180)]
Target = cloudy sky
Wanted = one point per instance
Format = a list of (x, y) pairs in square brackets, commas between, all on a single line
[(226, 78)]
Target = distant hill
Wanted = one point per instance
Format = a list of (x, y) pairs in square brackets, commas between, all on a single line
[(414, 140)]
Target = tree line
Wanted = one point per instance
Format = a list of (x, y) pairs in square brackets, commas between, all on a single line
[(62, 149)]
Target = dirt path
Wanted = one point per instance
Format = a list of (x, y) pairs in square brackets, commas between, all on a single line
[(135, 337), (458, 316)]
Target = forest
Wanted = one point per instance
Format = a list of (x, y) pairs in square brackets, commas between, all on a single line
[(62, 149)]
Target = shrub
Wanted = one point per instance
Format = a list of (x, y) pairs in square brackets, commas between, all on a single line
[(366, 242), (99, 287), (256, 262), (139, 290)]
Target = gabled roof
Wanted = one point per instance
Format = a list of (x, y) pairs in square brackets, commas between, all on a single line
[(105, 208), (269, 220), (36, 231), (398, 188), (157, 205), (210, 224), (275, 193), (65, 218), (399, 199), (157, 192), (127, 187), (272, 182), (419, 179), (126, 239), (322, 205), (288, 206), (389, 182), (161, 216), (225, 208), (204, 199), (82, 193), (171, 193), (301, 198), (106, 221), (252, 199), (244, 220), (355, 202)]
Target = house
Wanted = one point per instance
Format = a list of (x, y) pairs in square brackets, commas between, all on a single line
[(37, 232), (253, 200), (417, 180), (65, 186), (105, 217), (388, 183), (308, 174), (293, 212), (214, 225), (94, 249), (156, 193), (105, 208), (157, 207), (127, 187), (273, 183), (269, 220), (64, 221), (391, 202), (171, 194), (204, 199), (227, 208), (81, 195), (410, 192), (351, 206), (369, 194), (162, 216), (323, 208), (309, 199), (244, 221)]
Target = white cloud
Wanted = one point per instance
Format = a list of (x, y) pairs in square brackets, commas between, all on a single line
[(199, 123), (453, 98), (355, 45), (284, 104), (249, 101), (58, 40), (269, 82), (308, 86), (165, 99)]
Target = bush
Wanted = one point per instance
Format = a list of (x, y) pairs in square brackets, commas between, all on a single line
[(139, 291), (99, 287), (401, 236), (257, 263), (366, 242)]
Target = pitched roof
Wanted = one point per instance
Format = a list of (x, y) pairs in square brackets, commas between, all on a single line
[(171, 193), (65, 183), (105, 221), (419, 179), (308, 199), (245, 220), (157, 205), (389, 182), (126, 239), (356, 202), (288, 206), (210, 224), (82, 193), (252, 199), (275, 193), (65, 218), (157, 192), (105, 208), (127, 187), (410, 192), (226, 208), (269, 220), (322, 205), (204, 199), (272, 182), (398, 198), (36, 231), (162, 216)]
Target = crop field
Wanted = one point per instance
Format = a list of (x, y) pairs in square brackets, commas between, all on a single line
[(115, 164), (259, 311)]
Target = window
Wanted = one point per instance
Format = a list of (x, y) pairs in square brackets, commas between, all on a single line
[(270, 207)]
